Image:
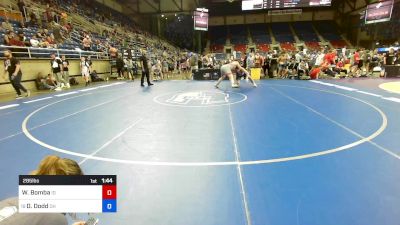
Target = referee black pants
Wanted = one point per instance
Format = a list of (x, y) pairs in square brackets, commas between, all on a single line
[(145, 74), (16, 83)]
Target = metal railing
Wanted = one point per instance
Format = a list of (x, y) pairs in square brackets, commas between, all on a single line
[(44, 53)]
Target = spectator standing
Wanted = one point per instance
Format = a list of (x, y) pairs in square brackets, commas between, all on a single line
[(120, 67), (57, 70), (13, 67), (48, 14), (58, 37), (129, 67), (355, 70), (145, 69), (33, 21), (194, 64), (165, 69), (389, 58), (65, 72), (90, 63), (85, 70), (21, 5)]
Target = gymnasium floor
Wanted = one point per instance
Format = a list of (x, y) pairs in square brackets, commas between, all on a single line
[(185, 153)]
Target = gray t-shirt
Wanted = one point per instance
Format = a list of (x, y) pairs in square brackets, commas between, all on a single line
[(31, 218)]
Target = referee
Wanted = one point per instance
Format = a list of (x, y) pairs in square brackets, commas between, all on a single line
[(145, 69), (13, 67)]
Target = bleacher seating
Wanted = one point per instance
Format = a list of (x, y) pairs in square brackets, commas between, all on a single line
[(240, 48), (338, 43), (73, 43), (282, 32), (259, 33), (305, 31), (328, 30), (238, 34), (288, 46), (312, 45), (217, 48), (218, 35), (263, 47)]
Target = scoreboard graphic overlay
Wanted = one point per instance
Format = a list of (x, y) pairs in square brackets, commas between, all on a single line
[(281, 4), (68, 194)]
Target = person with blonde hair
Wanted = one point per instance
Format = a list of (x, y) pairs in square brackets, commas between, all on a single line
[(50, 165), (54, 165)]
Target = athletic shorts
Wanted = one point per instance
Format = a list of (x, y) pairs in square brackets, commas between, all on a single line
[(240, 75), (282, 66), (225, 70), (85, 73)]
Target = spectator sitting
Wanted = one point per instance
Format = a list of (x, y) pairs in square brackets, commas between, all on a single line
[(68, 27), (23, 39), (340, 67), (50, 42), (6, 25), (34, 41), (8, 37), (45, 83), (50, 165), (14, 41), (302, 69), (40, 33), (86, 43), (95, 77)]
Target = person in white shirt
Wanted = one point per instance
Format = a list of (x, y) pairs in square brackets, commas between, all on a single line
[(128, 63), (34, 41), (57, 70), (298, 57), (302, 69), (320, 59), (85, 70), (344, 51)]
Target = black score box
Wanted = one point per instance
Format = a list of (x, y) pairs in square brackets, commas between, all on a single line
[(72, 194)]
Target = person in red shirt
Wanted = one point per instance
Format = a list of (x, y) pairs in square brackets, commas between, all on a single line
[(355, 67), (340, 67), (14, 41), (314, 74), (330, 57), (356, 57)]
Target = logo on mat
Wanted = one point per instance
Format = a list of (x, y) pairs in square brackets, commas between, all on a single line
[(200, 98)]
